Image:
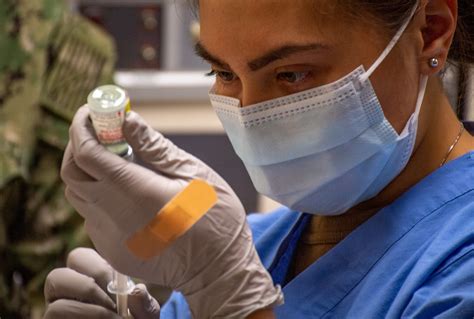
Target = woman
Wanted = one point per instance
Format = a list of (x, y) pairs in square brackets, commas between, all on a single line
[(338, 112)]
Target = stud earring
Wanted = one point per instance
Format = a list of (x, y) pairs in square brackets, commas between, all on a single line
[(434, 63)]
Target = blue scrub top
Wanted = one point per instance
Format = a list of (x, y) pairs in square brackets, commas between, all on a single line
[(413, 259)]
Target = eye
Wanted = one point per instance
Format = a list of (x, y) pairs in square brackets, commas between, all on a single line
[(224, 76), (293, 77)]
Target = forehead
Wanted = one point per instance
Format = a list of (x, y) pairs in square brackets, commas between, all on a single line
[(260, 23)]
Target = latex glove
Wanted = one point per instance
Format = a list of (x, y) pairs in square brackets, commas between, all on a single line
[(79, 291), (214, 265)]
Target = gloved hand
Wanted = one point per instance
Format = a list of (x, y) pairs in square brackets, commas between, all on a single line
[(79, 291), (214, 265)]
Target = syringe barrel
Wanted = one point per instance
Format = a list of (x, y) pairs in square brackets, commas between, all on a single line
[(122, 305)]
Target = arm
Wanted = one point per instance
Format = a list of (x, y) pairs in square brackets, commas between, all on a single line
[(224, 278), (262, 314)]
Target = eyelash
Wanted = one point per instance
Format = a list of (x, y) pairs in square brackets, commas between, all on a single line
[(306, 75), (216, 73), (211, 73), (280, 76)]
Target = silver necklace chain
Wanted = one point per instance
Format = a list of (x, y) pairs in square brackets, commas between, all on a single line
[(451, 148)]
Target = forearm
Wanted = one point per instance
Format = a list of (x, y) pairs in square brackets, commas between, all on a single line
[(262, 314)]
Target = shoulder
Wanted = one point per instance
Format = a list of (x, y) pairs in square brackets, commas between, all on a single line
[(446, 265), (440, 208), (449, 291)]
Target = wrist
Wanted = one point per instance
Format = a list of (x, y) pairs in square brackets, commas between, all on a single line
[(238, 292), (262, 314)]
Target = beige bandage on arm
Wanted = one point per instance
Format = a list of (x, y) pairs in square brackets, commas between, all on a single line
[(173, 220)]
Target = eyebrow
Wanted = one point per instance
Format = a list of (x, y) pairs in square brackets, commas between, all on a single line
[(202, 52), (261, 62)]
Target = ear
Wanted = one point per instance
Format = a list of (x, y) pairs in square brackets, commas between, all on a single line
[(440, 25)]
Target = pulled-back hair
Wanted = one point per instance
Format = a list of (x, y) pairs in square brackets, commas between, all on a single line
[(391, 14)]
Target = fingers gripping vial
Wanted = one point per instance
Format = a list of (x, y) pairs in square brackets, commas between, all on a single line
[(108, 105)]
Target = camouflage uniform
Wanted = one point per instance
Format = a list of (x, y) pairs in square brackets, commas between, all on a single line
[(49, 61)]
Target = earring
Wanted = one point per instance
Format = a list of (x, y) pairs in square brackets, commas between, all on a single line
[(434, 63)]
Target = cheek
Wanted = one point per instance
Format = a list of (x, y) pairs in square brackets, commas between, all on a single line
[(396, 86)]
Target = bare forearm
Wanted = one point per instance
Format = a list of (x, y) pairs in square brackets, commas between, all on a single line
[(262, 314)]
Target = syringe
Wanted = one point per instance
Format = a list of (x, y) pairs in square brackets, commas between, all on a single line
[(108, 105), (121, 286)]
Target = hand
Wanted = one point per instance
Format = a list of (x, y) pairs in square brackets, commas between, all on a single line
[(79, 291), (214, 264)]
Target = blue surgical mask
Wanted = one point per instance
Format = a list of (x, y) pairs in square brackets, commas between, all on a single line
[(324, 150)]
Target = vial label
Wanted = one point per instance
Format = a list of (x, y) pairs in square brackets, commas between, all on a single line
[(108, 126)]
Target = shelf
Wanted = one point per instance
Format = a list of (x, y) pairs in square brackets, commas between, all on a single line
[(165, 86)]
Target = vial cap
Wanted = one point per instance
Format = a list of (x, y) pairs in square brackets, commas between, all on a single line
[(107, 98)]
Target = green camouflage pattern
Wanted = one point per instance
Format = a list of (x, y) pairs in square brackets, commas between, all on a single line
[(23, 49), (49, 61)]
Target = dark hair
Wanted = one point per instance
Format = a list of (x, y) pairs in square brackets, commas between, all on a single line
[(393, 13)]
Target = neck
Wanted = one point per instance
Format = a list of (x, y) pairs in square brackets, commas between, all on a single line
[(437, 131)]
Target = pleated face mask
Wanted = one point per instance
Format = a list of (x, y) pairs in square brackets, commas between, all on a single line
[(324, 150)]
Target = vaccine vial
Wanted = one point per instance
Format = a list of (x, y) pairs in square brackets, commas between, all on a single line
[(108, 105)]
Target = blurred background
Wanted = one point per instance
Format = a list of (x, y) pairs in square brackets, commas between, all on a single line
[(52, 54)]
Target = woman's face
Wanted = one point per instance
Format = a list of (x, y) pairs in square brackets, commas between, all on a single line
[(264, 49)]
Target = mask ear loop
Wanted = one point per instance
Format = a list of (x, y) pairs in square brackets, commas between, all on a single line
[(363, 78), (421, 96)]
